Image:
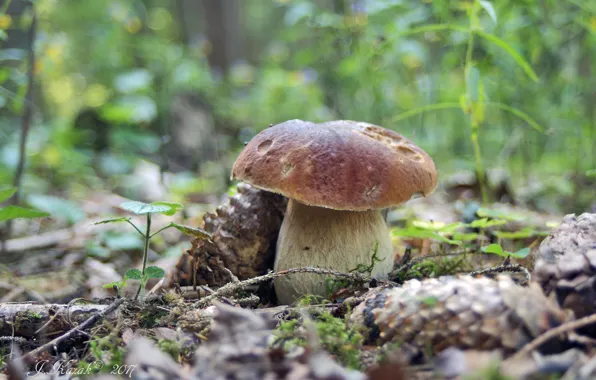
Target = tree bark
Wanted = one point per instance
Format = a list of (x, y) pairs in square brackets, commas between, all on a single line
[(223, 32)]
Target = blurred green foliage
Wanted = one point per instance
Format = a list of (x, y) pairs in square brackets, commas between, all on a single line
[(518, 77)]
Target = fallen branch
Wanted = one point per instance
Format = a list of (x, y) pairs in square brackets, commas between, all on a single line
[(27, 318), (75, 330), (552, 333), (233, 287)]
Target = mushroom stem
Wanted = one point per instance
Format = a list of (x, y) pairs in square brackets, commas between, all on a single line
[(326, 238)]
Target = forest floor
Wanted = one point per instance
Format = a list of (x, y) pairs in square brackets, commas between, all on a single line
[(495, 291)]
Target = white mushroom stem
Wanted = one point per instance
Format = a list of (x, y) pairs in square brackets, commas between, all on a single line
[(332, 239)]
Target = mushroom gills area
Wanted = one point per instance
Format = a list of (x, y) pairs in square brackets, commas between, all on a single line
[(326, 238)]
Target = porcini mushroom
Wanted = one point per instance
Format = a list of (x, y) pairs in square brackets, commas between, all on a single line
[(338, 177)]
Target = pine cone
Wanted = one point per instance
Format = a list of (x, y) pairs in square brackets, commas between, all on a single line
[(244, 235), (465, 312), (566, 264)]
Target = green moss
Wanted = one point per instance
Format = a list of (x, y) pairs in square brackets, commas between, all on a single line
[(335, 336), (434, 268), (150, 318), (171, 297), (492, 372), (170, 347), (105, 353)]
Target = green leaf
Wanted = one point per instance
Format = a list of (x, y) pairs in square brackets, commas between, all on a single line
[(154, 272), (113, 220), (59, 207), (133, 274), (232, 190), (424, 234), (498, 250), (437, 226), (494, 248), (487, 36), (521, 234), (7, 192), (192, 231), (112, 284), (14, 212), (519, 113), (485, 223), (141, 208), (123, 241), (95, 249), (430, 107), (522, 253), (484, 212), (464, 105), (514, 54), (174, 207), (591, 173), (468, 236), (488, 7)]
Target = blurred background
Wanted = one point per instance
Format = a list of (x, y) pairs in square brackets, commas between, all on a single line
[(153, 99)]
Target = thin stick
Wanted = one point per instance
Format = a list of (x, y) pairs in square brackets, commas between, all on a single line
[(552, 333), (87, 323), (233, 287), (504, 268)]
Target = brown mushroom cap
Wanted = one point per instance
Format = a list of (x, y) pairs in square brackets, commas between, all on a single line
[(342, 165)]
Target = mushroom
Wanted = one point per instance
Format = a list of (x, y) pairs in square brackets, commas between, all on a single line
[(338, 177)]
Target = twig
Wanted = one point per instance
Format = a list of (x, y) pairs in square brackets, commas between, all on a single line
[(232, 287), (503, 268), (18, 339), (552, 333), (87, 323)]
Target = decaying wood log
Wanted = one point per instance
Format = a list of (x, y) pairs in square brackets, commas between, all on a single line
[(32, 320)]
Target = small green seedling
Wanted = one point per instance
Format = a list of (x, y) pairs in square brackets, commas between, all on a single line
[(498, 250), (15, 212), (140, 208)]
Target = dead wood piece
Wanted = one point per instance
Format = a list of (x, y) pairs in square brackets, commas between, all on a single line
[(464, 312), (53, 238), (24, 319), (56, 286), (244, 234), (566, 265), (75, 330)]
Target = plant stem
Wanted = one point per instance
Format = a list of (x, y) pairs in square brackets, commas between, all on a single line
[(145, 253), (161, 229), (136, 228), (473, 121), (478, 158)]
